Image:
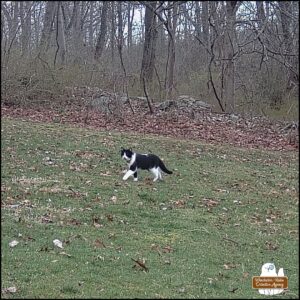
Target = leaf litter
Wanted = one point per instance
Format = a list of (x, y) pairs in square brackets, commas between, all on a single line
[(253, 132)]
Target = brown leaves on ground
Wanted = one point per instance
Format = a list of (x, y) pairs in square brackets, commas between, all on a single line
[(256, 132), (271, 246), (9, 290), (99, 244), (161, 250), (210, 203), (140, 264), (96, 222), (47, 218), (229, 266), (74, 222)]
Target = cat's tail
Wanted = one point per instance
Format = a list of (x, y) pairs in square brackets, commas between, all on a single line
[(163, 167)]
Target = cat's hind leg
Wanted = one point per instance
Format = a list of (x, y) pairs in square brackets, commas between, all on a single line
[(155, 172), (159, 173)]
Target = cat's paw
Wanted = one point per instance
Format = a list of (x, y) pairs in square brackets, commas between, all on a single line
[(135, 179)]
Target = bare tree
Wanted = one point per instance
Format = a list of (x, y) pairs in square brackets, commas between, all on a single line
[(261, 16), (103, 29), (60, 36), (235, 52), (228, 63), (148, 61), (130, 15), (46, 33), (205, 23), (90, 27), (25, 16), (113, 29), (172, 20), (285, 8)]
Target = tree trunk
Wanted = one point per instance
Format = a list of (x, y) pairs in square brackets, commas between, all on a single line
[(129, 23), (2, 27), (171, 63), (260, 14), (228, 60), (205, 26), (161, 32), (103, 29), (112, 31), (60, 55), (285, 8), (25, 15), (198, 19), (120, 25), (46, 33), (148, 61), (91, 28)]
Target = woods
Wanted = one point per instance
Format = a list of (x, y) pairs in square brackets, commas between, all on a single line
[(240, 57), (205, 91)]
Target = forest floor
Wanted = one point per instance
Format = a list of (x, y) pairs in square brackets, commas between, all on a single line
[(202, 232), (203, 126)]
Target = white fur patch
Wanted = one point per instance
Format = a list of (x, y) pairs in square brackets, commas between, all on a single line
[(128, 174), (156, 172), (126, 157), (132, 159)]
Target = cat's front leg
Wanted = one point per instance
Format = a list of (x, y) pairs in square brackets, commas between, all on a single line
[(128, 174), (135, 178)]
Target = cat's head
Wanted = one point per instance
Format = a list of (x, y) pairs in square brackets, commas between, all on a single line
[(126, 154)]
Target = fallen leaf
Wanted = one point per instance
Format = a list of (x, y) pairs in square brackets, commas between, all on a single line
[(46, 218), (232, 290), (140, 263), (113, 199), (44, 248), (105, 174), (58, 243), (110, 217), (167, 249), (271, 246), (99, 244), (75, 222), (229, 266), (66, 254), (96, 222), (180, 203), (13, 243), (11, 290), (156, 248), (210, 202)]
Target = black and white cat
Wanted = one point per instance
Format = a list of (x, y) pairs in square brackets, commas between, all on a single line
[(148, 162)]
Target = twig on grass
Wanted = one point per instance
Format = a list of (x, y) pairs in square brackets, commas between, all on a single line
[(230, 240), (141, 264)]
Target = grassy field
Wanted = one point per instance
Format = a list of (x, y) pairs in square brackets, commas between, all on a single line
[(203, 232)]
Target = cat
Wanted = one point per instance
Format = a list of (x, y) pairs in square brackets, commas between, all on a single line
[(148, 162)]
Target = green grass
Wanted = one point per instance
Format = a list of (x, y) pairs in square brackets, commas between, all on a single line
[(203, 231)]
